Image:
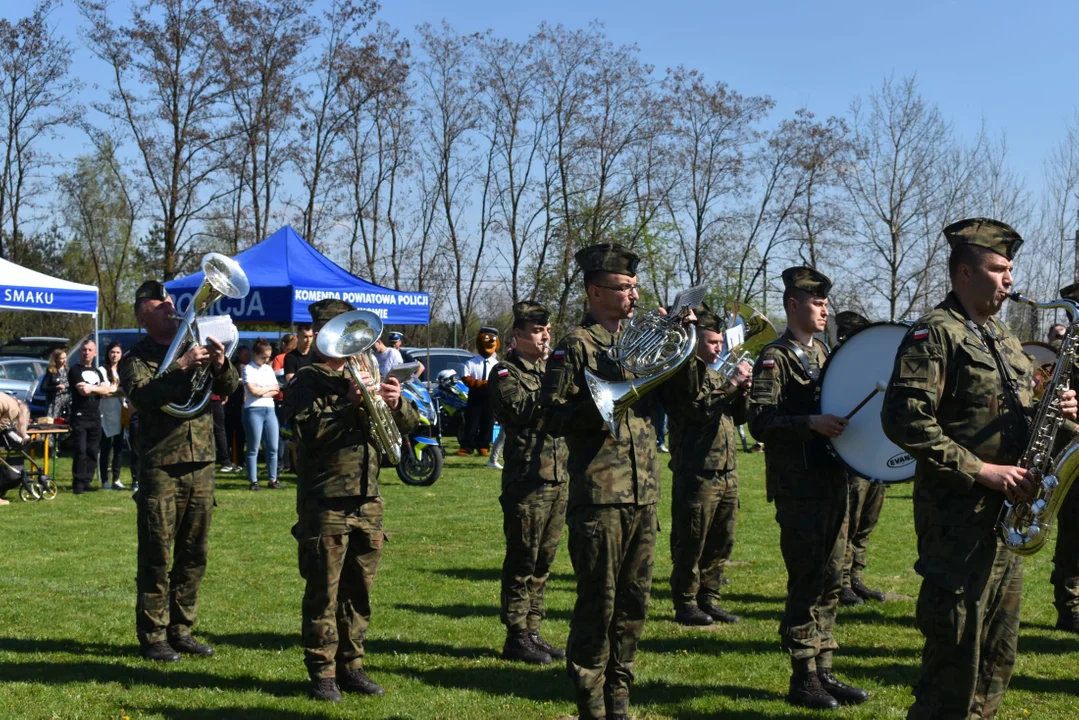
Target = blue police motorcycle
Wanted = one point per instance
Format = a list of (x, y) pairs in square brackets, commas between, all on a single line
[(421, 450)]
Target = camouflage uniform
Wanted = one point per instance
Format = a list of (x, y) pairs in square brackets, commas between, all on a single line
[(703, 407), (865, 500), (948, 407), (611, 512), (339, 510), (1065, 576), (810, 492), (175, 500), (533, 490)]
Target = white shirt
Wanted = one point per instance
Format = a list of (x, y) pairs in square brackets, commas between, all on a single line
[(258, 375), (387, 360), (478, 367)]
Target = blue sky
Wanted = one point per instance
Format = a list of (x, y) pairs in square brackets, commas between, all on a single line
[(1008, 64)]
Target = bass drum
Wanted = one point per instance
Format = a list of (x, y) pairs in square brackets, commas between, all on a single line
[(851, 373)]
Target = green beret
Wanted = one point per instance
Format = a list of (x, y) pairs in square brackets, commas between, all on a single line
[(847, 322), (327, 309), (708, 320), (151, 289), (607, 257), (808, 280), (1070, 292), (992, 234), (530, 311)]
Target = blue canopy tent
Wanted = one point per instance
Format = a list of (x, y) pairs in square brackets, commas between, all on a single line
[(287, 274), (25, 289)]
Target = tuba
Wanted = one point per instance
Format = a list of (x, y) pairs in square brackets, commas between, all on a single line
[(351, 335), (653, 347), (747, 332), (223, 278), (1025, 526)]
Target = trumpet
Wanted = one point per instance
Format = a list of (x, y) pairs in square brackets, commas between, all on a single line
[(751, 332), (350, 336)]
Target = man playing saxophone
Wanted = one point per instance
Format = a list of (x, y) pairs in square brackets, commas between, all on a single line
[(175, 500), (339, 528), (959, 401)]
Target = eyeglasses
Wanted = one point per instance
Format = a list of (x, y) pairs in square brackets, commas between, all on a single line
[(623, 288)]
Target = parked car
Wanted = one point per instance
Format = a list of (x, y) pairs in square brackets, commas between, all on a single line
[(441, 358), (19, 376), (32, 347)]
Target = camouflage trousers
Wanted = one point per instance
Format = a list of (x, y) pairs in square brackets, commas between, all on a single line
[(613, 548), (704, 511), (175, 504), (533, 517), (812, 538), (340, 549), (865, 500), (1065, 577), (970, 641)]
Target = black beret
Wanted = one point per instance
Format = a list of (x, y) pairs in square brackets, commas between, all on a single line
[(607, 257), (151, 289), (984, 232), (808, 280), (530, 311), (327, 309)]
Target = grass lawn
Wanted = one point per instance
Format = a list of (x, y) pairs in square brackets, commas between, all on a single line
[(68, 647)]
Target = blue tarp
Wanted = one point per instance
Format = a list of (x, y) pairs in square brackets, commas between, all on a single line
[(287, 275), (25, 289)]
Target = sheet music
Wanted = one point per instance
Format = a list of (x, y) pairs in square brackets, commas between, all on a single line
[(690, 297), (734, 336), (219, 327)]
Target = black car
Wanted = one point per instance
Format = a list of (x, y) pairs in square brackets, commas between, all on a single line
[(32, 347)]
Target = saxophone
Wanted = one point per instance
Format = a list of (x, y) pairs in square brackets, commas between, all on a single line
[(1025, 526)]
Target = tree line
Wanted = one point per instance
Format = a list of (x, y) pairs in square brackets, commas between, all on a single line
[(472, 167)]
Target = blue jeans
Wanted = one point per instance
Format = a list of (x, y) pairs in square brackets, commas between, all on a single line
[(260, 423)]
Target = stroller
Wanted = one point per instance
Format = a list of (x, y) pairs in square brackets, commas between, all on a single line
[(18, 469)]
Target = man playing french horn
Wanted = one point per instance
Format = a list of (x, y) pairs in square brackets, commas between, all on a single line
[(340, 511), (959, 402)]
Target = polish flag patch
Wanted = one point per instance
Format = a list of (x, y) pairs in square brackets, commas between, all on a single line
[(768, 363), (921, 334), (559, 354), (503, 372)]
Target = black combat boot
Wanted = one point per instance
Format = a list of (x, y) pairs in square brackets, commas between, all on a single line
[(160, 651), (806, 691), (519, 647), (357, 681), (849, 598), (692, 616), (1068, 622), (190, 646), (843, 693), (324, 689), (717, 613), (865, 593), (555, 653)]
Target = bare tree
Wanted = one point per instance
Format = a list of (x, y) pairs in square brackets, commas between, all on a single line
[(36, 97)]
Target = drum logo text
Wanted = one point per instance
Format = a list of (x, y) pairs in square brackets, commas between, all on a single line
[(900, 460)]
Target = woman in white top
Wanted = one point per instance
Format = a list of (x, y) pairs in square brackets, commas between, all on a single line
[(260, 422), (112, 422)]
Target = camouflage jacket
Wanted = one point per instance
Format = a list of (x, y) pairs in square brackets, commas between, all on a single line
[(602, 470), (797, 461), (947, 406), (337, 455), (531, 453), (163, 439), (703, 408)]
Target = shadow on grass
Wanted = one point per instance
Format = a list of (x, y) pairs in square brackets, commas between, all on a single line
[(709, 642), (465, 611), (184, 675), (491, 575), (893, 674), (548, 683), (1064, 686), (1043, 645), (666, 697), (235, 713), (64, 645), (255, 640), (388, 646)]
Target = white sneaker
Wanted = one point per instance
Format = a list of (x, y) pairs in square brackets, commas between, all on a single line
[(118, 486), (494, 464), (663, 448)]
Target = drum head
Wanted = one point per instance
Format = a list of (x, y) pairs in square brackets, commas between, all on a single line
[(851, 373), (1042, 353)]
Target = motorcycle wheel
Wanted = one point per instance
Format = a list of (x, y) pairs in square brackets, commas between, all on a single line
[(423, 471)]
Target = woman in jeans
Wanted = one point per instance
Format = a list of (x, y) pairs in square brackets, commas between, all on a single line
[(54, 385), (260, 421), (112, 426)]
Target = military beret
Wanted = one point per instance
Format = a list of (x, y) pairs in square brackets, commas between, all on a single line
[(327, 309), (847, 322), (530, 311), (1070, 292), (808, 280), (607, 257), (992, 234), (151, 289), (708, 320), (489, 330)]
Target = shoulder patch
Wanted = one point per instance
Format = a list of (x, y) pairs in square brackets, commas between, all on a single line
[(559, 354), (920, 334), (768, 362), (503, 372)]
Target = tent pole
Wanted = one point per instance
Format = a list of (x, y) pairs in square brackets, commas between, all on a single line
[(428, 366)]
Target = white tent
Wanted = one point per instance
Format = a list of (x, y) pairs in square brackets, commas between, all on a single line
[(25, 289)]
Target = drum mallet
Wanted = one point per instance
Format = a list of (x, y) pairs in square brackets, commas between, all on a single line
[(881, 387)]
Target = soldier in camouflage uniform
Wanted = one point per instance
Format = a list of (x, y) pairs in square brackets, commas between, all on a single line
[(533, 486), (704, 407), (864, 499), (1065, 577), (808, 487), (175, 499), (613, 490), (958, 402), (339, 510)]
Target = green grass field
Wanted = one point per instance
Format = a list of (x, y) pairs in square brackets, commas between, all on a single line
[(68, 648)]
